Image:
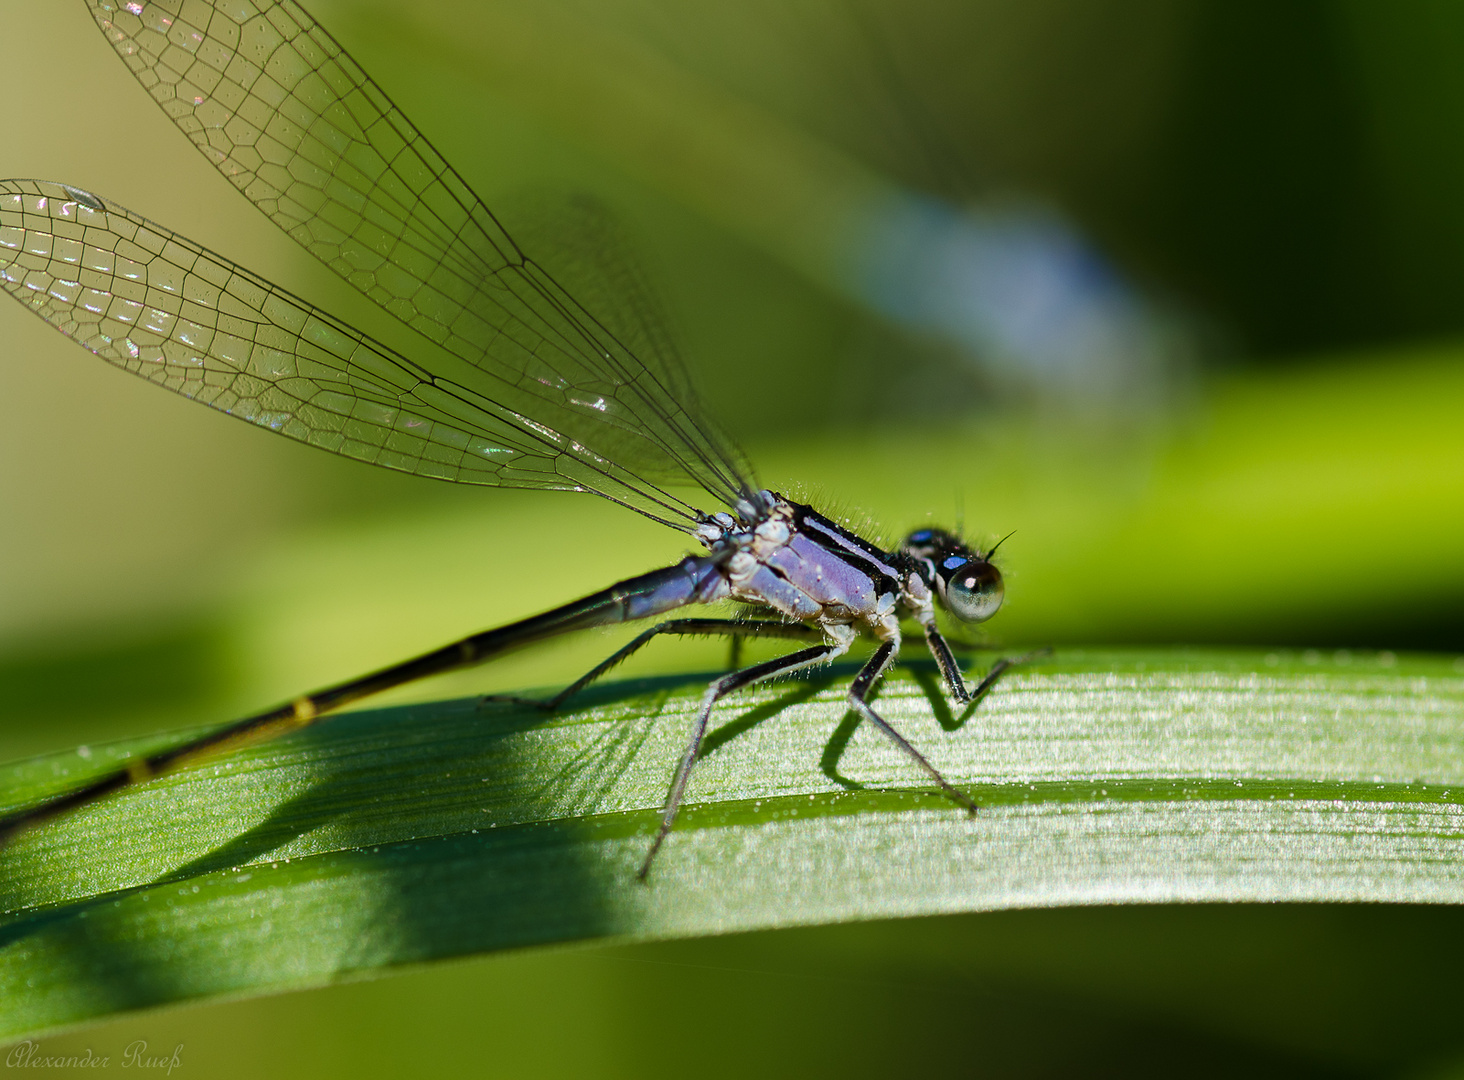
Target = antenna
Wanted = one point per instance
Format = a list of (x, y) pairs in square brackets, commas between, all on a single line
[(998, 544)]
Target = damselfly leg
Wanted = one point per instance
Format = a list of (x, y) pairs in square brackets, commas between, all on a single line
[(783, 665), (736, 629)]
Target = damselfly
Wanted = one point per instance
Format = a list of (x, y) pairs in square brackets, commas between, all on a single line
[(526, 386)]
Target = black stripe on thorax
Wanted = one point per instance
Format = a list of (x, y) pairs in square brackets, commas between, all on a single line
[(878, 564)]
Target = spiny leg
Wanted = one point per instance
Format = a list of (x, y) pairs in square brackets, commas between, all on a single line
[(998, 668), (951, 671), (818, 654), (864, 682), (737, 630)]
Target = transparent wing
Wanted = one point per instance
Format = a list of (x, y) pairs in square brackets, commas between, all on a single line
[(582, 245), (165, 308), (286, 115)]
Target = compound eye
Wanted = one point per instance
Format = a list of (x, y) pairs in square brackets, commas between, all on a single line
[(973, 589)]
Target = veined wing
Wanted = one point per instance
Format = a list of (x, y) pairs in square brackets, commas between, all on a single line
[(277, 105), (179, 315)]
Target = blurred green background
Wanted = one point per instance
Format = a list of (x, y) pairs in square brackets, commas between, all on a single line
[(1269, 194)]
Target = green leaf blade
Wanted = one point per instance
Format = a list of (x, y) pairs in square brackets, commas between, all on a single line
[(416, 833)]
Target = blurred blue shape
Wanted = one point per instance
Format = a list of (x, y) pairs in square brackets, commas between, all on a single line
[(1021, 291)]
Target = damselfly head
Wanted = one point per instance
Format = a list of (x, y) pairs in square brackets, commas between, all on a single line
[(968, 585)]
